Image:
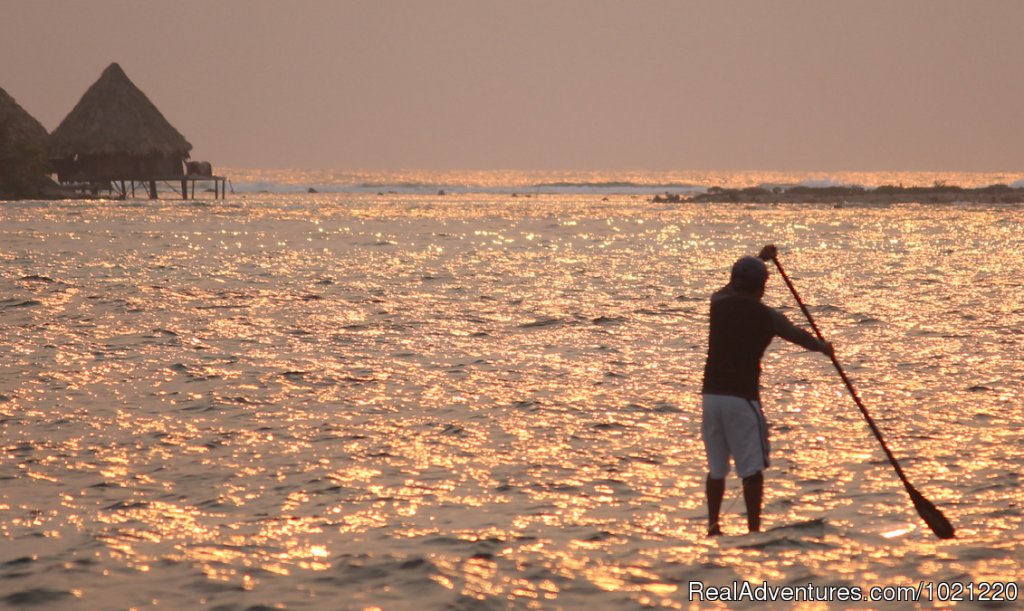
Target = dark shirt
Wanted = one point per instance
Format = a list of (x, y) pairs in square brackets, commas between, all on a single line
[(741, 329)]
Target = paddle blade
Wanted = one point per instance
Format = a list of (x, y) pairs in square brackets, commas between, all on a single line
[(931, 515)]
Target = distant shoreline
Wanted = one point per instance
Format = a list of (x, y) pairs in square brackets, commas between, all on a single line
[(768, 194), (937, 194)]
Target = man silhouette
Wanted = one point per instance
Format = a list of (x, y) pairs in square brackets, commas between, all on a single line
[(733, 424)]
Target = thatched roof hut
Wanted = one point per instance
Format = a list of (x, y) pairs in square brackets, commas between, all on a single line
[(23, 167), (16, 124), (116, 133)]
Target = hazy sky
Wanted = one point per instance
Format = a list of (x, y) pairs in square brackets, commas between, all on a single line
[(559, 84)]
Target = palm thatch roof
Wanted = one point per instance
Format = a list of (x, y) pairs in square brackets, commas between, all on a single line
[(115, 117), (16, 125), (23, 168)]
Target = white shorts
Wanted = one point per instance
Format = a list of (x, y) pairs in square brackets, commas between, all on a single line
[(734, 427)]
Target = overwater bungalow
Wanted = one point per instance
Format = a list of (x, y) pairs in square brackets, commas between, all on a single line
[(116, 137), (23, 168)]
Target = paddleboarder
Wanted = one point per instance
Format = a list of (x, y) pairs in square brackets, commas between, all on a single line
[(733, 424)]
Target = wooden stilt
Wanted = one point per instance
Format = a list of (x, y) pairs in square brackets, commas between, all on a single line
[(120, 186)]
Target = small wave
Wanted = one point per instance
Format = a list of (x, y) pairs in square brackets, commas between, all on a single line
[(452, 429), (540, 323), (20, 303), (816, 524), (23, 560), (37, 278), (367, 571), (122, 505), (35, 596), (663, 407)]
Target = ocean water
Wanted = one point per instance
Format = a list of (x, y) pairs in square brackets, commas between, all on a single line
[(479, 401)]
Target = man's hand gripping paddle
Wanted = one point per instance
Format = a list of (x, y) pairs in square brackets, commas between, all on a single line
[(942, 528)]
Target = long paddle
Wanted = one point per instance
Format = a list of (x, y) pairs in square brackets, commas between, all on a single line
[(942, 528)]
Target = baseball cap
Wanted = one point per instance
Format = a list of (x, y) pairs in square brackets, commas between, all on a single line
[(748, 273)]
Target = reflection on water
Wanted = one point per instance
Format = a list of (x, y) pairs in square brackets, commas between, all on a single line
[(418, 402)]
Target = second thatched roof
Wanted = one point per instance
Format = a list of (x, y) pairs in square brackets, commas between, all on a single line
[(115, 117)]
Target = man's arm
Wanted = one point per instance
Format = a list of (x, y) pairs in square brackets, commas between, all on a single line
[(792, 333)]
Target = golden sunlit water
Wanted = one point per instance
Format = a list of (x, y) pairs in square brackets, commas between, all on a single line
[(479, 401)]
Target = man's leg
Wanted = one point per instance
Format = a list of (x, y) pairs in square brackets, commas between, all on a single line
[(716, 446), (715, 489), (753, 493), (748, 436)]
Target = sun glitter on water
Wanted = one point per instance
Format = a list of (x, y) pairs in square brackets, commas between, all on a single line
[(422, 400)]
